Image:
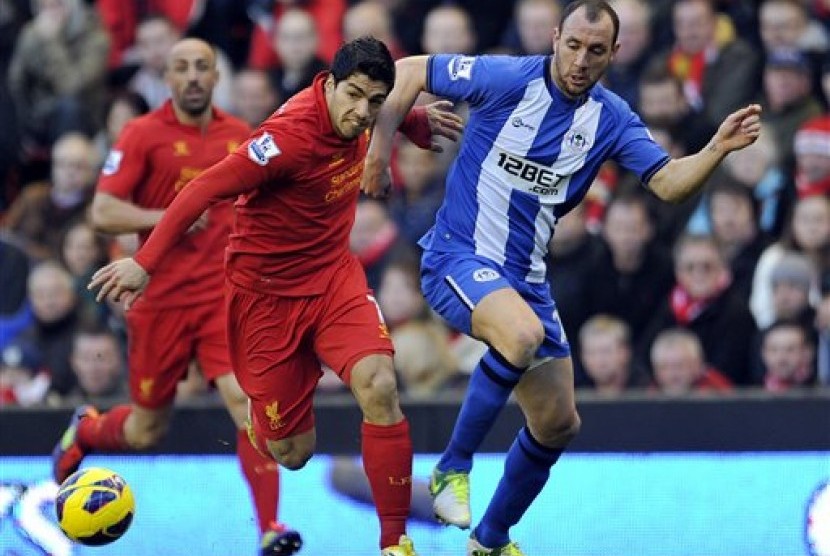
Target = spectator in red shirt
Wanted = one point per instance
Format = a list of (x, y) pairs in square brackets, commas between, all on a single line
[(297, 298), (121, 18), (182, 313), (328, 17), (679, 367)]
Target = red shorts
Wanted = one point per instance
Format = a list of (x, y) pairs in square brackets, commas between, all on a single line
[(163, 342), (278, 344)]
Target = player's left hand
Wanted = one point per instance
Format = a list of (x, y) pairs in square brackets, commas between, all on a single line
[(121, 280), (740, 129), (443, 122)]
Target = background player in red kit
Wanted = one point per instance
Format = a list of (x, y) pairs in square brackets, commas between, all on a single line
[(182, 313), (296, 296)]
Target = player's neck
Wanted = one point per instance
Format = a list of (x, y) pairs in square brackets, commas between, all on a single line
[(557, 82), (197, 120)]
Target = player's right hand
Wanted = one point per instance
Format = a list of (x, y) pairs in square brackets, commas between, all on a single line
[(740, 129), (377, 177), (121, 280)]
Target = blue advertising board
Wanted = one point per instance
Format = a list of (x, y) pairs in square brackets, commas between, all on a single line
[(696, 504)]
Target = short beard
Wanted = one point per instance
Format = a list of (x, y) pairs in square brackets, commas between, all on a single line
[(197, 111)]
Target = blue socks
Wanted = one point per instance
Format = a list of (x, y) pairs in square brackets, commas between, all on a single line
[(490, 386), (526, 470)]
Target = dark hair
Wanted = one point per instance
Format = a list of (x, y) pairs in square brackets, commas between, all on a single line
[(366, 55), (688, 238), (593, 9), (135, 101), (807, 336), (100, 241), (723, 184), (656, 73), (631, 198), (94, 329)]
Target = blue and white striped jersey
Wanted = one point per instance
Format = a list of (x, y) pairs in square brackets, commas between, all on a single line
[(528, 156)]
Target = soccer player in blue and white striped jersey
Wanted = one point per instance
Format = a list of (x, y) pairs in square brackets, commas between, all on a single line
[(539, 129)]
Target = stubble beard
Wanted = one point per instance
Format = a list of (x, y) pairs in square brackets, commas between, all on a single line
[(197, 110)]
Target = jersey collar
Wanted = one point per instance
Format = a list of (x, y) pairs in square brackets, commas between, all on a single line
[(322, 106)]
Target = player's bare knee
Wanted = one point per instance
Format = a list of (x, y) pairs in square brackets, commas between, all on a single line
[(377, 394), (290, 454), (521, 342), (557, 429), (381, 402), (294, 459), (231, 392)]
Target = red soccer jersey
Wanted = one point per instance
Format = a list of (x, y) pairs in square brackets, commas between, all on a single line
[(154, 158), (299, 183)]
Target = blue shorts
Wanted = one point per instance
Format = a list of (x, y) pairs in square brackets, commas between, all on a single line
[(454, 283)]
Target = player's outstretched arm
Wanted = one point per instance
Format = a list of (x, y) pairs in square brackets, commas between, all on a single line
[(682, 178), (123, 279), (410, 80)]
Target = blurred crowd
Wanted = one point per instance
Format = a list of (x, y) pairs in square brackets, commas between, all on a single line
[(727, 290)]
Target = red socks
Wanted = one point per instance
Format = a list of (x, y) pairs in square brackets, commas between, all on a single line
[(104, 433), (387, 460), (262, 475)]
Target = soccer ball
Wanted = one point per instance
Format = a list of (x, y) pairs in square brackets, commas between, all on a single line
[(95, 506)]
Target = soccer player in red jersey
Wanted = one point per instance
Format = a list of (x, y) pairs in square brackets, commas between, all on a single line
[(181, 315), (296, 296)]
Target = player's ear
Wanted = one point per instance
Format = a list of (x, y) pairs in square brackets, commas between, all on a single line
[(614, 50), (555, 38), (328, 85)]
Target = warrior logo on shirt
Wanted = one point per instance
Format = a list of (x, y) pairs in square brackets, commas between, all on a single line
[(344, 182), (518, 122), (180, 148), (186, 174), (146, 387), (262, 149)]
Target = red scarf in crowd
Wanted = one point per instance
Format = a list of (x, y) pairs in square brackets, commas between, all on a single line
[(689, 68), (686, 309), (774, 383), (806, 188)]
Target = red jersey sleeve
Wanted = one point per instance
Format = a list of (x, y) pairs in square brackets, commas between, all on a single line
[(257, 161), (126, 164)]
